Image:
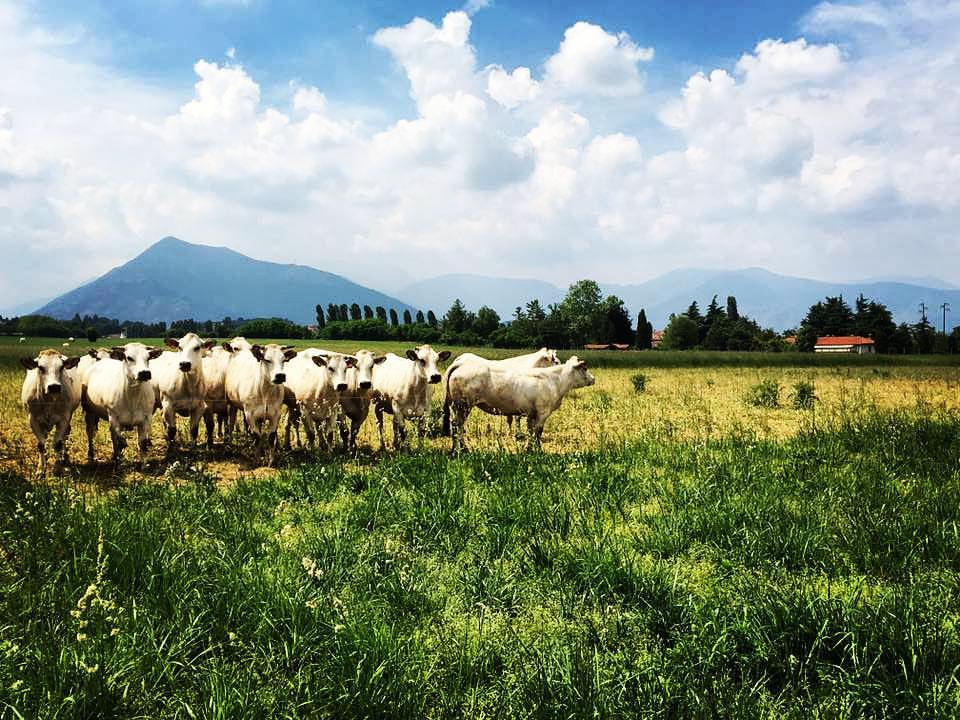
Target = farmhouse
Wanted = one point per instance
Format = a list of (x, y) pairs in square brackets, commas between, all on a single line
[(657, 338), (607, 346), (844, 344)]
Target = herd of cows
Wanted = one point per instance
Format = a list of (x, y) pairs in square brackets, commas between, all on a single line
[(323, 390)]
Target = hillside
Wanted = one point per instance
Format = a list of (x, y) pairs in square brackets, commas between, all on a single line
[(173, 279)]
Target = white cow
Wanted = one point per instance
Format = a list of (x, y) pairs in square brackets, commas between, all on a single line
[(544, 357), (535, 393), (51, 392), (254, 384), (23, 340), (355, 400), (119, 390), (315, 379), (87, 362), (179, 378), (214, 364), (401, 387)]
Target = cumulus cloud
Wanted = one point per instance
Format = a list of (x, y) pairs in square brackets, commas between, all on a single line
[(592, 61), (804, 155)]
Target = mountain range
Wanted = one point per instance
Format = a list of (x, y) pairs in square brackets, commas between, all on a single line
[(773, 300), (173, 279)]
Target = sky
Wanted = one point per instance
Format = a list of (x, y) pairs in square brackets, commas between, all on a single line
[(553, 140)]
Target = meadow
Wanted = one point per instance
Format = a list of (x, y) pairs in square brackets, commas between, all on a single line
[(675, 552)]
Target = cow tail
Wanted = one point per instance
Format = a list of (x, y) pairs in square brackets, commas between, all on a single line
[(446, 401)]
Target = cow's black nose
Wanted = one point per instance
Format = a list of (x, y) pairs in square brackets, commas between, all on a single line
[(366, 385), (341, 387), (53, 388), (434, 379), (279, 378), (144, 375), (185, 366)]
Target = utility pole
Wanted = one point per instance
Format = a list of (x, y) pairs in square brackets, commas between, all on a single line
[(946, 308), (923, 313)]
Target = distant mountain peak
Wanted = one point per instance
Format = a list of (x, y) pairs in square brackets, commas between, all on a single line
[(173, 279)]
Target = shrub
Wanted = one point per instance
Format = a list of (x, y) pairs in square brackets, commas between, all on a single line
[(639, 382), (803, 395), (765, 393)]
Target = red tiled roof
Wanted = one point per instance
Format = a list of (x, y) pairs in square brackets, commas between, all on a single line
[(830, 340)]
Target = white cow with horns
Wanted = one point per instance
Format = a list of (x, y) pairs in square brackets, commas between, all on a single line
[(180, 379), (51, 393), (119, 389), (401, 387)]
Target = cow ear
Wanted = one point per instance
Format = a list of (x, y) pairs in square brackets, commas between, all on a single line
[(155, 353), (92, 353), (257, 352), (378, 360), (172, 342), (289, 354), (412, 355), (28, 363), (208, 344), (286, 347), (71, 363), (118, 353), (444, 355), (319, 360), (350, 360), (227, 346)]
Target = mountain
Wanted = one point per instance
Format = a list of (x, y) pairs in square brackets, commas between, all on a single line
[(173, 280), (778, 301), (501, 294)]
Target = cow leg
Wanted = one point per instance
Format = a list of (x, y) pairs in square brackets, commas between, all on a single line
[(116, 435), (378, 411), (143, 444), (535, 430), (421, 431), (91, 421), (399, 432), (208, 426), (310, 428), (195, 415), (461, 412), (60, 441), (170, 420), (41, 434), (231, 421), (221, 422), (355, 425)]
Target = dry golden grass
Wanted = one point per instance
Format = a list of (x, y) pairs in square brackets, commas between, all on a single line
[(679, 404)]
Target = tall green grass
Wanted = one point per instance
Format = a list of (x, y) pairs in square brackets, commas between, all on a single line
[(818, 576)]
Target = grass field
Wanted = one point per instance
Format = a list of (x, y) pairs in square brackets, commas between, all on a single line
[(672, 553)]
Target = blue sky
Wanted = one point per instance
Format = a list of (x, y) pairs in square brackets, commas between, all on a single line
[(391, 142)]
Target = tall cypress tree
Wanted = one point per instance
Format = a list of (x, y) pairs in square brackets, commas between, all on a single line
[(333, 313), (367, 312), (431, 318), (732, 312), (420, 318), (344, 312), (355, 313), (407, 318), (644, 331), (394, 320), (381, 313), (321, 321)]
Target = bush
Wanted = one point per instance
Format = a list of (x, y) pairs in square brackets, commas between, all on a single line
[(803, 395), (639, 382), (765, 393)]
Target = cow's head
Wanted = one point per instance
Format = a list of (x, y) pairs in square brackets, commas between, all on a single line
[(578, 371), (366, 360), (271, 358), (236, 345), (190, 349), (50, 366), (136, 359), (336, 366), (427, 358), (547, 357)]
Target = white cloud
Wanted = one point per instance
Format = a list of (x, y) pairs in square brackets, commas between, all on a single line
[(801, 157), (592, 61)]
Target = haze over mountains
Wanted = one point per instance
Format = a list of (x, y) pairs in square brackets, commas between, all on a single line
[(174, 279)]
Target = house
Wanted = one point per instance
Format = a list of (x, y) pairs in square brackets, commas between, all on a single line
[(844, 344), (657, 338), (607, 346)]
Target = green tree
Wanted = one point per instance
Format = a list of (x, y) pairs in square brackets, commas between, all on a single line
[(431, 319), (832, 316), (486, 323), (381, 313), (924, 336), (407, 318), (644, 331), (344, 313), (872, 319), (394, 319), (333, 312), (367, 312), (92, 334), (321, 320), (583, 313), (355, 312), (733, 314), (420, 319), (616, 322), (681, 333), (458, 319)]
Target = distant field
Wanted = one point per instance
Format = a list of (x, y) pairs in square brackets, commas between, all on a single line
[(678, 552)]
